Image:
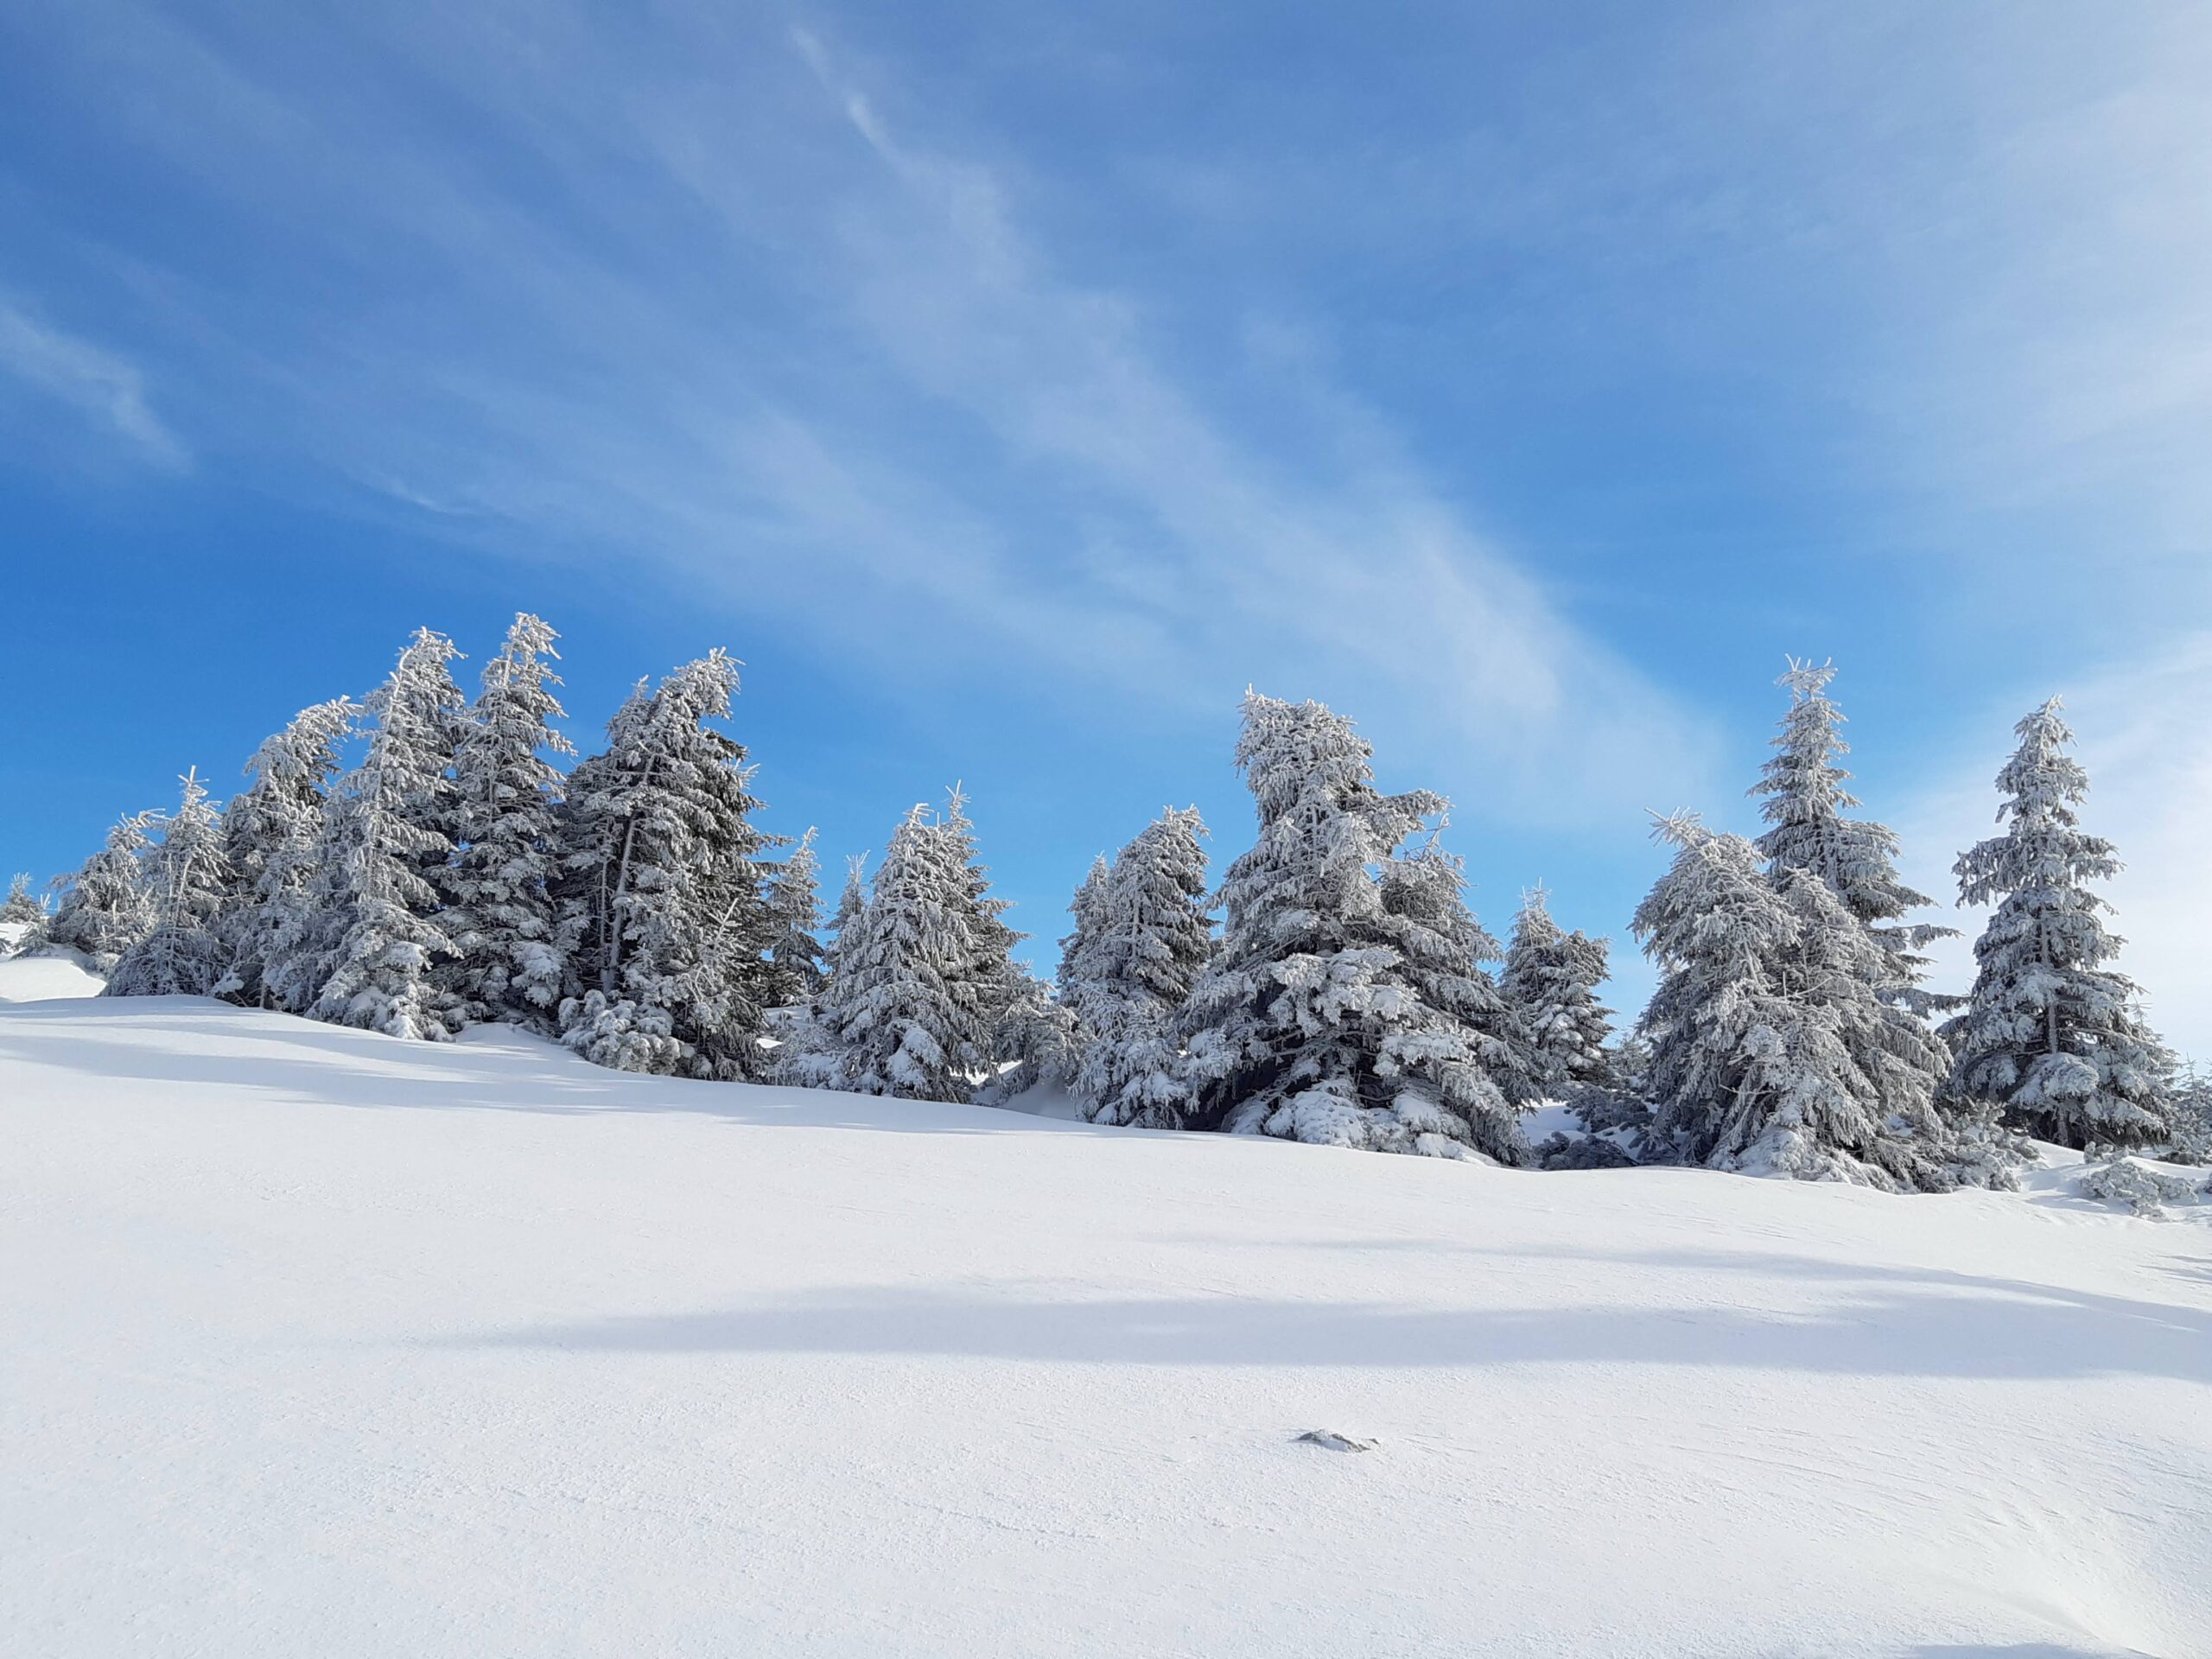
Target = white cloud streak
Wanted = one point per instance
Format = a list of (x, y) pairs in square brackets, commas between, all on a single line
[(103, 387)]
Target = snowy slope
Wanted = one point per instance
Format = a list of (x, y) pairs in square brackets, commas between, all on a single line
[(46, 976), (314, 1342)]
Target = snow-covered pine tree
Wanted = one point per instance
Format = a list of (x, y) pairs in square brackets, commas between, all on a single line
[(1805, 807), (660, 888), (1550, 985), (366, 932), (990, 977), (186, 881), (809, 1055), (2188, 1130), (900, 1014), (795, 970), (1340, 1006), (22, 909), (1770, 1052), (105, 908), (851, 901), (508, 960), (1142, 934), (269, 835), (1445, 947), (2049, 1033), (1079, 945)]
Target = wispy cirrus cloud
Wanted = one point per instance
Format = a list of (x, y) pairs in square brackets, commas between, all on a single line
[(106, 389), (713, 306)]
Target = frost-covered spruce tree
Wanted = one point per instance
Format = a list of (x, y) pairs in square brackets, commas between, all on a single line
[(105, 908), (901, 1013), (1769, 1051), (660, 888), (1805, 807), (269, 835), (1340, 1006), (508, 960), (2189, 1129), (852, 900), (22, 909), (1445, 946), (1550, 985), (371, 932), (808, 1055), (2051, 1033), (795, 971), (990, 977), (1142, 934), (1079, 946), (186, 881)]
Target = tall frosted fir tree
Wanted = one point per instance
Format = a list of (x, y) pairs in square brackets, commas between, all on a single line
[(1080, 944), (1343, 1004), (2050, 1032), (1769, 1051), (104, 907), (1805, 807), (661, 890), (989, 977), (1142, 936), (852, 900), (794, 924), (186, 881), (269, 837), (902, 1014), (373, 932), (809, 1055), (508, 960), (1550, 985)]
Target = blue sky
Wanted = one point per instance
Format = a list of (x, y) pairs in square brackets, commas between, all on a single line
[(1010, 385)]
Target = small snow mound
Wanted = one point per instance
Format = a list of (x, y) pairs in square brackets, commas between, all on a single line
[(46, 976), (2141, 1188), (1333, 1440)]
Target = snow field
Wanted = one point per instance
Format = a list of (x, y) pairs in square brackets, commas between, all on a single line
[(314, 1340)]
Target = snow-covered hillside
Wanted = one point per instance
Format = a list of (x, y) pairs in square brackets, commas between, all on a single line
[(45, 978), (317, 1341)]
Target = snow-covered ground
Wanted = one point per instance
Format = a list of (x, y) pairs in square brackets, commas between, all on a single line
[(315, 1342), (46, 977)]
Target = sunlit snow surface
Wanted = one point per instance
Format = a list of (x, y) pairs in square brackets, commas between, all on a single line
[(314, 1342)]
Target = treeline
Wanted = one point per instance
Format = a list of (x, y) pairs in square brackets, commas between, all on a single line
[(1335, 987)]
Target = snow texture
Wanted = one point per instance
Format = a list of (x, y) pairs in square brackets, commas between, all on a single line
[(341, 1345)]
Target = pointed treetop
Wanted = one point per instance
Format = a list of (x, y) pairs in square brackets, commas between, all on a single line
[(1681, 828), (1805, 678), (2046, 725)]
